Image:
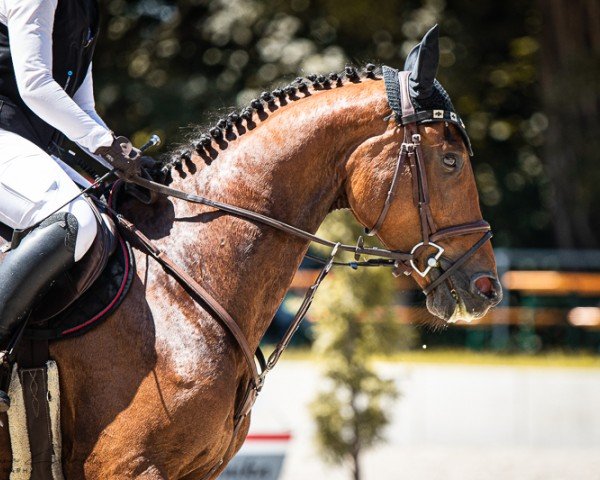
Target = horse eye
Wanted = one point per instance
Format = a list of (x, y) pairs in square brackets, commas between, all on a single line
[(449, 161)]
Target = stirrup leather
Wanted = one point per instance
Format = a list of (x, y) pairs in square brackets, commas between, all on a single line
[(5, 373)]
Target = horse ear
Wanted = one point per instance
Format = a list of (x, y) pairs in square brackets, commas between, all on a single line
[(422, 62)]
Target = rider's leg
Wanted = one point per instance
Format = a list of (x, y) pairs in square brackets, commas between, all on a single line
[(32, 186)]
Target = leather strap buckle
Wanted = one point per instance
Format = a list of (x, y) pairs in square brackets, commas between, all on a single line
[(432, 261), (360, 243)]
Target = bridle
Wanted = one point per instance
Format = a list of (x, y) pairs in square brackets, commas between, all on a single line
[(402, 262), (411, 154)]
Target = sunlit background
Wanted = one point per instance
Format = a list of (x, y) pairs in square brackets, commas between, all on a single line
[(514, 395)]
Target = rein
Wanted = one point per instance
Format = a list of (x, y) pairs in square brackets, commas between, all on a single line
[(357, 249), (402, 262)]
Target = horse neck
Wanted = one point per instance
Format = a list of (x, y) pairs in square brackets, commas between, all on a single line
[(291, 168)]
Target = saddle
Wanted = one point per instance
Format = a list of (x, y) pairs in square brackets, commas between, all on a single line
[(71, 306)]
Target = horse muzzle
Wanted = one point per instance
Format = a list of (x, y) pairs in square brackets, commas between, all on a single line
[(465, 297)]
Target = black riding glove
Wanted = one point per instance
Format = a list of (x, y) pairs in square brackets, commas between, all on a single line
[(123, 157)]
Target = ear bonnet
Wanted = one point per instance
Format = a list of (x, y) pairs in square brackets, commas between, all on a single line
[(429, 99)]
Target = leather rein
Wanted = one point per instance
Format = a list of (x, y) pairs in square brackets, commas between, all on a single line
[(402, 262)]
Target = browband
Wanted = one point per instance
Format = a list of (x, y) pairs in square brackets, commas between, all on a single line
[(392, 86)]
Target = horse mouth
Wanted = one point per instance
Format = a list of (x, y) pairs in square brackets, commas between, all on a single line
[(461, 312), (460, 298), (449, 306)]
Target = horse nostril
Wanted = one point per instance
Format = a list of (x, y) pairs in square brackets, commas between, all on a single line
[(486, 286)]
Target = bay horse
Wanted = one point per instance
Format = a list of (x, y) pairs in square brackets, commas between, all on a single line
[(151, 392)]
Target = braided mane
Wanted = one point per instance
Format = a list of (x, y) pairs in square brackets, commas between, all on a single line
[(237, 123)]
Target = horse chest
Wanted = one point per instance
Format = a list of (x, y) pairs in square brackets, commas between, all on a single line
[(187, 349)]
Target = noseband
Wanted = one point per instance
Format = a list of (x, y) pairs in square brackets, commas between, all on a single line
[(411, 154)]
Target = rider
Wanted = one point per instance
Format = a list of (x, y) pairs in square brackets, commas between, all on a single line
[(46, 93)]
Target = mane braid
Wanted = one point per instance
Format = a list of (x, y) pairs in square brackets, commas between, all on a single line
[(229, 128)]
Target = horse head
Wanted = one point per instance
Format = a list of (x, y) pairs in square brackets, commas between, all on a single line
[(432, 207)]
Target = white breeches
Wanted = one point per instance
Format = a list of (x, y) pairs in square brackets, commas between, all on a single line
[(32, 186)]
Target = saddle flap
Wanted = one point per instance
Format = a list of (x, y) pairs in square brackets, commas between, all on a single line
[(72, 284)]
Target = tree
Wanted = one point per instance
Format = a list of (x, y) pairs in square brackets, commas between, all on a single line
[(570, 74), (355, 323)]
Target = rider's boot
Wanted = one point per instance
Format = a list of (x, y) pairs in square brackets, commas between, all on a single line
[(26, 274)]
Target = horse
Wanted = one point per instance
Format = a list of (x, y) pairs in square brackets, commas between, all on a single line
[(151, 392)]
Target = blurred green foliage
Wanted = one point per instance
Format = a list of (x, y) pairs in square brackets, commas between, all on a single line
[(356, 322), (163, 65)]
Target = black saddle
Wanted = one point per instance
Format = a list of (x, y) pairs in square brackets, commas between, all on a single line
[(86, 294)]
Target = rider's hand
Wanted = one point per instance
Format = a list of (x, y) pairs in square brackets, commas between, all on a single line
[(123, 157)]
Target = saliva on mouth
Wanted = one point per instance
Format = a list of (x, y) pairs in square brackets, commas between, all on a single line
[(460, 311)]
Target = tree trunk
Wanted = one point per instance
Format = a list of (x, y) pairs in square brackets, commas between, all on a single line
[(570, 66), (356, 464), (357, 439)]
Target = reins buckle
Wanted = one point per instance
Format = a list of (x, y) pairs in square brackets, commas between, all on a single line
[(360, 243), (431, 261)]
